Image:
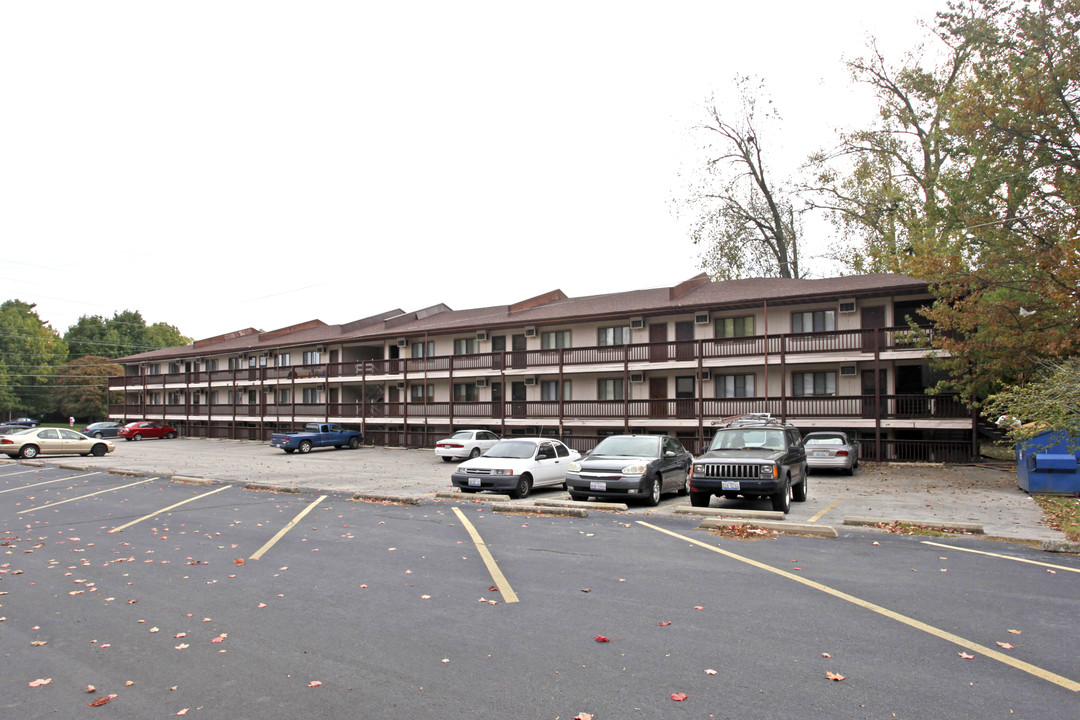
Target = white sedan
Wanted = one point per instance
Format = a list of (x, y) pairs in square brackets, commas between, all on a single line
[(466, 444), (516, 466), (52, 441)]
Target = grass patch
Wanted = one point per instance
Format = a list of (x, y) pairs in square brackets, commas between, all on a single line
[(1061, 513)]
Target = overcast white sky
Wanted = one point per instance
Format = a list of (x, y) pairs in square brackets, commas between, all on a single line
[(221, 165)]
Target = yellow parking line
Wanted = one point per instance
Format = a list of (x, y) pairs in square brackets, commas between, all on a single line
[(1004, 557), (911, 622), (496, 574), (165, 510), (281, 533), (47, 482), (818, 516), (83, 497)]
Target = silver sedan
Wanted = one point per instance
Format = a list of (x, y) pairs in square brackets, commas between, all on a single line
[(831, 451)]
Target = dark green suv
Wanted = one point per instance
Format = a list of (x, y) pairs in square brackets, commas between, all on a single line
[(754, 456)]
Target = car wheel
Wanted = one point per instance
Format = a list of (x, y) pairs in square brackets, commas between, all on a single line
[(523, 487), (29, 452), (580, 497), (97, 435), (447, 459), (98, 450), (170, 435), (849, 471), (305, 446), (700, 499), (475, 453), (289, 450), (798, 493), (653, 498), (354, 443), (136, 436), (781, 501)]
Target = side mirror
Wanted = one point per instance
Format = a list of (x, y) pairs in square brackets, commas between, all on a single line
[(669, 454)]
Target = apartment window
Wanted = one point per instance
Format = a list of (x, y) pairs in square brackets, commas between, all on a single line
[(613, 335), (734, 386), (549, 390), (252, 361), (422, 350), (813, 383), (234, 364), (465, 392), (174, 398), (311, 357), (555, 339), (735, 326), (155, 398), (253, 397), (153, 369), (465, 346), (311, 395), (283, 396), (610, 390), (814, 321), (685, 387), (262, 361), (282, 360), (416, 393), (211, 365)]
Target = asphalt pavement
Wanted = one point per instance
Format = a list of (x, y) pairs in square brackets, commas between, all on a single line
[(986, 496)]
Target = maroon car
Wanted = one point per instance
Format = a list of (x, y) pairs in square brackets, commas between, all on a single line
[(142, 429)]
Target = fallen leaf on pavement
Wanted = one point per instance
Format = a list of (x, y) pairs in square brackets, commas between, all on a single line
[(582, 716), (39, 642), (104, 700), (679, 697), (183, 712), (1007, 646), (710, 671), (314, 683), (665, 623), (1016, 632), (966, 656), (601, 638), (91, 688), (40, 681), (834, 676), (182, 646)]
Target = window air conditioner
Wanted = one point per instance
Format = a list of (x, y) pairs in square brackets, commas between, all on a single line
[(481, 335), (847, 306), (402, 342), (320, 350), (847, 370), (401, 386), (481, 382), (701, 319), (637, 323), (637, 377), (530, 381), (706, 375), (530, 332)]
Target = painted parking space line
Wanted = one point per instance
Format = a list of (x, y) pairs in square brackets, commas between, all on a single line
[(820, 514), (501, 582), (1003, 557), (1034, 670), (83, 497), (281, 533), (20, 472), (167, 509), (47, 482)]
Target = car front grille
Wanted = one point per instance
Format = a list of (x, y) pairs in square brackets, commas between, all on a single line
[(727, 471)]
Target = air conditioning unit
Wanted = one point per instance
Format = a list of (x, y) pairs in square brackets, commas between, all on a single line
[(637, 323), (402, 342), (530, 332), (320, 350), (847, 306), (481, 335), (481, 382), (848, 370), (401, 386), (706, 375), (701, 319), (637, 377), (530, 381)]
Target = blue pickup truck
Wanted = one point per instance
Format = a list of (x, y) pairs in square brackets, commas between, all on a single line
[(316, 435)]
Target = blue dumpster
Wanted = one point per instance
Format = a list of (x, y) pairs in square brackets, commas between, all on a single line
[(1046, 464)]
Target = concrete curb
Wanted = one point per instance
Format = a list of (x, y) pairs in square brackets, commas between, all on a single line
[(974, 528), (192, 480), (582, 505), (1061, 546), (824, 531), (388, 497), (725, 512), (470, 497), (271, 488), (539, 510)]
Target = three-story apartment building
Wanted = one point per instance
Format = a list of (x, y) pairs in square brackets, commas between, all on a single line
[(831, 353)]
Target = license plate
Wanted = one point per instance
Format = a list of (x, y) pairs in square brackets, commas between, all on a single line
[(474, 482), (600, 486), (729, 485), (821, 453)]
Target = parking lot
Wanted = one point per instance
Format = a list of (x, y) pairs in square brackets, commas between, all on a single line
[(921, 494)]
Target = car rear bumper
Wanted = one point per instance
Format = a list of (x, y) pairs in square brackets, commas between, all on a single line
[(830, 462)]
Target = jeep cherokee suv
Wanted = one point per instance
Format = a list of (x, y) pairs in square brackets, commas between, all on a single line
[(754, 456)]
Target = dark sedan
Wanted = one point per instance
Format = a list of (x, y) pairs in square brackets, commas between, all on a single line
[(631, 467), (102, 429), (23, 422)]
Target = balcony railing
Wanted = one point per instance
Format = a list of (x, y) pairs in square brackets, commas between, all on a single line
[(866, 342)]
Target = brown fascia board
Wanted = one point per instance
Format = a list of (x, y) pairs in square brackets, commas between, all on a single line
[(534, 302), (272, 334), (223, 338)]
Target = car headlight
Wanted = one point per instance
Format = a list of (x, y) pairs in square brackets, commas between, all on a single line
[(768, 471), (502, 472), (573, 467), (634, 469)]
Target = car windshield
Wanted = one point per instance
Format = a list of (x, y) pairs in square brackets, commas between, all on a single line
[(748, 438), (825, 440), (462, 435), (629, 446), (517, 449)]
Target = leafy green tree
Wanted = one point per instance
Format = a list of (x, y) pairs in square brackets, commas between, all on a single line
[(125, 333), (1050, 401), (746, 224), (30, 351), (82, 387)]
